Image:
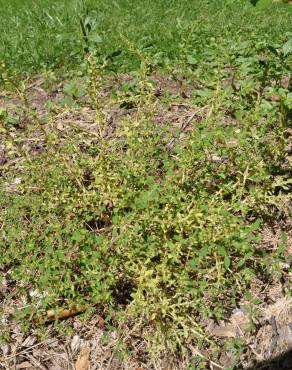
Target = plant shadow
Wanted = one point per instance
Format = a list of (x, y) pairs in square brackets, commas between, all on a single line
[(282, 362)]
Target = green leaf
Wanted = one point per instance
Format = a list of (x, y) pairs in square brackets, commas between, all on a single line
[(287, 47), (255, 225), (241, 262), (282, 245), (263, 3), (77, 236), (95, 38), (191, 60), (222, 250), (204, 251), (250, 273), (3, 113), (227, 262), (192, 263)]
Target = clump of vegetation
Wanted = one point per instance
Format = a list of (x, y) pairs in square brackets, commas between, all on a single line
[(135, 221)]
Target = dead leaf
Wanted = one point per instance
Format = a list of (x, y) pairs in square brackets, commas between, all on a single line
[(5, 349), (29, 341), (82, 362), (275, 98), (24, 365), (76, 344), (60, 127), (285, 81), (232, 142)]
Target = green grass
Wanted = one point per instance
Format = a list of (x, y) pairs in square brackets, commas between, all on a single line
[(143, 225), (46, 34)]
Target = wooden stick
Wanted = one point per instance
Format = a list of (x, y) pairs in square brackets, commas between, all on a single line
[(53, 315)]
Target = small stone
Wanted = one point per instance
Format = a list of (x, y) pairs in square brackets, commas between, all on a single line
[(217, 159), (225, 331), (285, 266)]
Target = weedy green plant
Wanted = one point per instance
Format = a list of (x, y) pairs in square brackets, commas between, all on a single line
[(165, 237), (157, 237)]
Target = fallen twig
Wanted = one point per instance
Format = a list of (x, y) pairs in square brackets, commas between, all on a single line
[(53, 315)]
